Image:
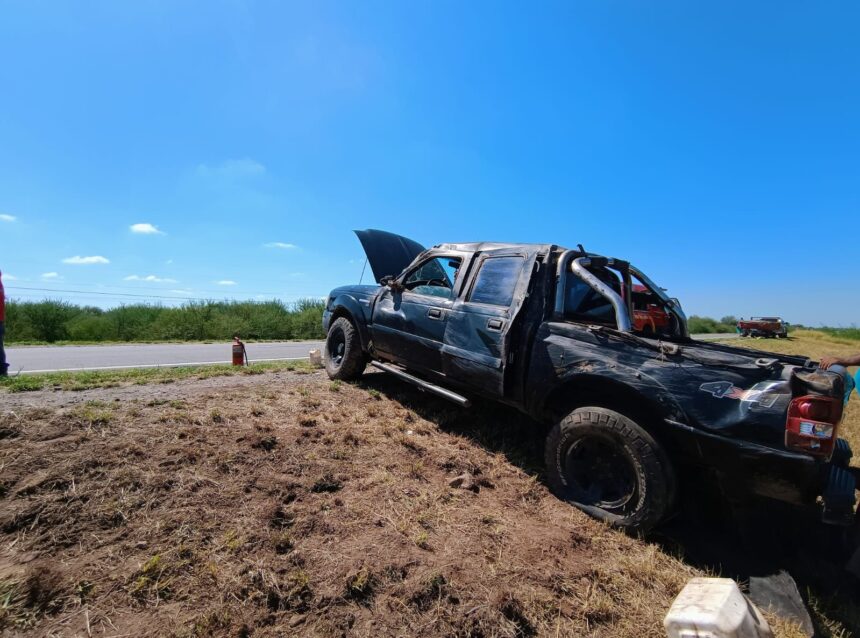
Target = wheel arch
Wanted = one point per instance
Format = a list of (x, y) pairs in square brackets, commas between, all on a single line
[(348, 307), (582, 390)]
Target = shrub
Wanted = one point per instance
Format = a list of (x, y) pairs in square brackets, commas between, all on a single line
[(196, 320)]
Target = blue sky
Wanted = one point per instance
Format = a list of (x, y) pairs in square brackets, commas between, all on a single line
[(716, 145)]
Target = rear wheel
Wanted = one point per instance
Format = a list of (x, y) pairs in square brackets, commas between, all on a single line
[(344, 359), (610, 467)]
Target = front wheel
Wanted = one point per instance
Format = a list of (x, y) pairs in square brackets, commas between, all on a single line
[(610, 467), (344, 359)]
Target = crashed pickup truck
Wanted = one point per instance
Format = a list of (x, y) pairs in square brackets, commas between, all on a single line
[(551, 332)]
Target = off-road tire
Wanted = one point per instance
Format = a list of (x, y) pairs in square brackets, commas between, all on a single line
[(344, 359), (647, 466)]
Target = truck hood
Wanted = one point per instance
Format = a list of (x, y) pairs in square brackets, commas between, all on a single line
[(388, 254)]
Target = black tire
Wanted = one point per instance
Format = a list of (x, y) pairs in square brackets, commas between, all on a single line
[(611, 468), (344, 359)]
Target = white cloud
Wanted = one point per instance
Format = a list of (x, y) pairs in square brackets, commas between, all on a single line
[(51, 275), (245, 167), (226, 282), (168, 262), (7, 218), (94, 259), (146, 229), (164, 280), (10, 278), (280, 244)]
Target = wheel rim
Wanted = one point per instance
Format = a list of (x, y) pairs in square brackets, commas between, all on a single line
[(599, 474), (337, 347)]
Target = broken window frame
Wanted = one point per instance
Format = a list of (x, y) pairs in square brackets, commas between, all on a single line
[(453, 290)]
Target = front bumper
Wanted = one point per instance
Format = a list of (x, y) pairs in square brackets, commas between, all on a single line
[(326, 320)]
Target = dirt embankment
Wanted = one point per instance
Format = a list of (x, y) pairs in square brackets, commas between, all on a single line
[(287, 505)]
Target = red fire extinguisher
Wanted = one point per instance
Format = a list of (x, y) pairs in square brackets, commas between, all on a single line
[(240, 355)]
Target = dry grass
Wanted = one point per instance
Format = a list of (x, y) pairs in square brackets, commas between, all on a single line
[(293, 506), (300, 510), (88, 379)]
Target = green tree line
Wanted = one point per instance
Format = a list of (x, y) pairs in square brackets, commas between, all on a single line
[(51, 321), (706, 325)]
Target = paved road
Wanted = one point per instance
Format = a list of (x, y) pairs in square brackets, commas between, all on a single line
[(715, 336), (64, 358)]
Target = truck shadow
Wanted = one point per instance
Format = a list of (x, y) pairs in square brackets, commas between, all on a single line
[(707, 532)]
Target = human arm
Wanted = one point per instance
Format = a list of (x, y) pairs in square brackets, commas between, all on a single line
[(847, 360)]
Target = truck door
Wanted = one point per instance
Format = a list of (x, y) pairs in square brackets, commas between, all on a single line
[(475, 350), (409, 322)]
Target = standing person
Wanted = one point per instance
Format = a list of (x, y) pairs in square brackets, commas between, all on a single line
[(3, 365)]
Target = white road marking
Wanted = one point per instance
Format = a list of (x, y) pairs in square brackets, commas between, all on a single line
[(156, 365)]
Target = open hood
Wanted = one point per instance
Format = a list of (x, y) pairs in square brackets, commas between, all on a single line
[(388, 254)]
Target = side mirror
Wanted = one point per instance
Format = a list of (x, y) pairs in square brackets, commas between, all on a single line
[(391, 282)]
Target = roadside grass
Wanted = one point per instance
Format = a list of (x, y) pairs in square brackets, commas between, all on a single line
[(852, 334), (89, 379), (841, 336), (225, 508), (328, 512)]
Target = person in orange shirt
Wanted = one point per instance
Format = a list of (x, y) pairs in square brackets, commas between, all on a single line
[(3, 365)]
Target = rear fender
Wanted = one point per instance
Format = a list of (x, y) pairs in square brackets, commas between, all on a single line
[(619, 388)]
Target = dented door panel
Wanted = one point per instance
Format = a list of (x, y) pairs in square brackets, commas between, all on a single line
[(409, 328), (475, 351)]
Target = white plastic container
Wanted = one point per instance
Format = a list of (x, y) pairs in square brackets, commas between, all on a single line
[(714, 608), (316, 358)]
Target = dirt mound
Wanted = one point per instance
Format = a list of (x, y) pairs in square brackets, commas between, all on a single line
[(296, 506)]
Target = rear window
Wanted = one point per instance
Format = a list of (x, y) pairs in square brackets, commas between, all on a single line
[(583, 303), (496, 281)]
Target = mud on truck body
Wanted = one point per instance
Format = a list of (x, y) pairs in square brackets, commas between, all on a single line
[(550, 331)]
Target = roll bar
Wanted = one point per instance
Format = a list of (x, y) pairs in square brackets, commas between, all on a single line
[(574, 261)]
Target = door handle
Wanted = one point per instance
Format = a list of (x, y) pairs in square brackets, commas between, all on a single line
[(495, 324), (434, 313)]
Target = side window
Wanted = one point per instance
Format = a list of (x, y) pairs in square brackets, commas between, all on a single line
[(434, 277), (496, 281), (583, 303)]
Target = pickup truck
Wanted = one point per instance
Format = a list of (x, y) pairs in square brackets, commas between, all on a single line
[(550, 332), (763, 327)]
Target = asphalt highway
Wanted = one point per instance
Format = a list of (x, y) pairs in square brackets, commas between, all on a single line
[(716, 336), (109, 357)]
